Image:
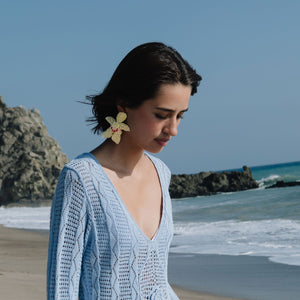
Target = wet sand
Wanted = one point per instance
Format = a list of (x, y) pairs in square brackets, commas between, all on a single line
[(241, 276)]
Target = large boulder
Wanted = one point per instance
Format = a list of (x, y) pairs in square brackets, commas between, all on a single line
[(30, 160), (208, 183)]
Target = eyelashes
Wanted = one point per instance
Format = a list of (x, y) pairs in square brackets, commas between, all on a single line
[(158, 116), (161, 117)]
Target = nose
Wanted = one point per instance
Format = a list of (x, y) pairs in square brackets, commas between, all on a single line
[(171, 127)]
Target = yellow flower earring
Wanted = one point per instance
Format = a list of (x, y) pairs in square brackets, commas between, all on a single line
[(116, 126)]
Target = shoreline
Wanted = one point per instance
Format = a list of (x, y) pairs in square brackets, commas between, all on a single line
[(23, 264)]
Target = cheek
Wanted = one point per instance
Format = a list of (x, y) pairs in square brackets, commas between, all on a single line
[(145, 124)]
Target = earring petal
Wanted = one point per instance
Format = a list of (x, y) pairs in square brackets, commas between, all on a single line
[(110, 120), (124, 127), (121, 116), (107, 133), (116, 137)]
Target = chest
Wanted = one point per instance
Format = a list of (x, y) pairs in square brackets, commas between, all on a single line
[(143, 200)]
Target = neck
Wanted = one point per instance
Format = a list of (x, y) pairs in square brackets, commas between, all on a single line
[(121, 158)]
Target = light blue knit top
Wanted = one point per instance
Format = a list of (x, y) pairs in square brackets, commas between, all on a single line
[(96, 249)]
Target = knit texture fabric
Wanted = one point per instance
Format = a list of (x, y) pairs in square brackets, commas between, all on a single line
[(96, 249)]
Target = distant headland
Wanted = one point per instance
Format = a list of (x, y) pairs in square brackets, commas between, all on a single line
[(208, 183)]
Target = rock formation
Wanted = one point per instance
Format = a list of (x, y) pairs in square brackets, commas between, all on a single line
[(208, 183), (282, 183), (30, 160)]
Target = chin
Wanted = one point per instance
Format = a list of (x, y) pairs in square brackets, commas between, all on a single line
[(154, 149)]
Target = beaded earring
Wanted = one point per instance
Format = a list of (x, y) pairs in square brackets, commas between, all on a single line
[(116, 126)]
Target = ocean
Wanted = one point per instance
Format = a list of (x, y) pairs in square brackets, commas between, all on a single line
[(259, 222)]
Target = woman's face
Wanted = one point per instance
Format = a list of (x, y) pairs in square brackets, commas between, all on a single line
[(155, 121)]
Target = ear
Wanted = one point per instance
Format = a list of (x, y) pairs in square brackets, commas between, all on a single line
[(120, 108)]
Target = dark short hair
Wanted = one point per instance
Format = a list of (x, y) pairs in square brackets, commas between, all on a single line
[(138, 77)]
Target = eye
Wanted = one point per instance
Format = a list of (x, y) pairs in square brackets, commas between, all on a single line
[(180, 116), (161, 117)]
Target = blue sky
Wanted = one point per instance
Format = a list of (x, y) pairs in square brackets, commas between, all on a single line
[(53, 53)]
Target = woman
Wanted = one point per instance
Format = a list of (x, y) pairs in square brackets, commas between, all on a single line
[(111, 219)]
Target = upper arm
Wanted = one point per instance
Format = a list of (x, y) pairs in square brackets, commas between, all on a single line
[(67, 233)]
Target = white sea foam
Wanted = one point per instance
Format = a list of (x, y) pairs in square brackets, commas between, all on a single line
[(272, 179), (292, 260), (25, 217), (278, 239), (268, 180)]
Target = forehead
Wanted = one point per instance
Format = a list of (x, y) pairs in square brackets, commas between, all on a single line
[(172, 96)]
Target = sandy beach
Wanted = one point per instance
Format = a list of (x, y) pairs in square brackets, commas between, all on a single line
[(23, 259), (23, 263)]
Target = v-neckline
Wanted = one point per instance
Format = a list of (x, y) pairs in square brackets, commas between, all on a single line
[(123, 204)]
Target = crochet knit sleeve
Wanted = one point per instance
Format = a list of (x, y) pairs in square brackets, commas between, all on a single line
[(68, 229)]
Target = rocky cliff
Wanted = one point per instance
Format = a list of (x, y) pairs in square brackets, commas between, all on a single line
[(208, 183), (30, 160)]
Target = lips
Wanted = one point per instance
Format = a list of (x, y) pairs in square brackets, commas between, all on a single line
[(162, 142)]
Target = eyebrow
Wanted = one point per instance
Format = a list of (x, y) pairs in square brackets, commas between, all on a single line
[(170, 110)]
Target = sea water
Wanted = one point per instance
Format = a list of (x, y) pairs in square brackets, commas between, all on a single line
[(25, 217), (259, 222)]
